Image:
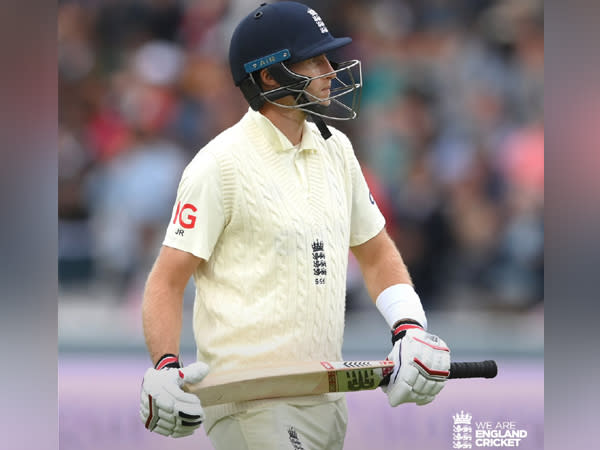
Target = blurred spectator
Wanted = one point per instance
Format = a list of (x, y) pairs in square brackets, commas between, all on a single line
[(75, 240), (517, 272), (132, 190), (450, 134)]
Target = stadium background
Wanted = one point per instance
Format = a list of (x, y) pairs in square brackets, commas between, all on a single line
[(450, 136)]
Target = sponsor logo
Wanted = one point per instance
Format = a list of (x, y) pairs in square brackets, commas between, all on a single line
[(358, 380), (268, 60), (185, 218)]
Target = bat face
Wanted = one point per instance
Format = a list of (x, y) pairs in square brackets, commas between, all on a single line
[(290, 380)]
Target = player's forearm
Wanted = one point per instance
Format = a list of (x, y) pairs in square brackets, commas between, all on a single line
[(388, 281), (162, 317), (388, 271), (381, 264)]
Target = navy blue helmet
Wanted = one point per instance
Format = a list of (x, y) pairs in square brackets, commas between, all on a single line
[(277, 35)]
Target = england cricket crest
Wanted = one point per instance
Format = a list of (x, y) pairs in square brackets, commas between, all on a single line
[(462, 432), (319, 261)]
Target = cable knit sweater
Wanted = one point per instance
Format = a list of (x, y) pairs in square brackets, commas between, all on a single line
[(274, 223)]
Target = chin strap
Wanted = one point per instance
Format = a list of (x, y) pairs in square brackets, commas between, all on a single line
[(318, 120), (322, 126)]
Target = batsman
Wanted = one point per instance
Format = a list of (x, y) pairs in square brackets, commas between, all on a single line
[(263, 221)]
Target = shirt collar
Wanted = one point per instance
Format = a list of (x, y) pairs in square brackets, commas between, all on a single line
[(277, 139)]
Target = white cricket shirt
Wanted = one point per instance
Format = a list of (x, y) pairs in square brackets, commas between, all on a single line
[(274, 223)]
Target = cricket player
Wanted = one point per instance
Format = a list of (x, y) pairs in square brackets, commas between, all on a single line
[(264, 216)]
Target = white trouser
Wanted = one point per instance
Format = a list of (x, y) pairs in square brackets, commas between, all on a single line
[(283, 426)]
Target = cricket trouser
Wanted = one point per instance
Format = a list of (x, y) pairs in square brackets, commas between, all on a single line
[(283, 426)]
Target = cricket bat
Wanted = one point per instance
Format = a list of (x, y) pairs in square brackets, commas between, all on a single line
[(295, 379)]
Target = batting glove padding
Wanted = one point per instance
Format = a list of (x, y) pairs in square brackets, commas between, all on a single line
[(165, 408), (421, 366)]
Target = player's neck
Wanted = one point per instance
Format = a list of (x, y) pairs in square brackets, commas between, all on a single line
[(289, 121)]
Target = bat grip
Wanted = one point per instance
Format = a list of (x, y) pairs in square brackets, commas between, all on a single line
[(475, 369), (479, 369)]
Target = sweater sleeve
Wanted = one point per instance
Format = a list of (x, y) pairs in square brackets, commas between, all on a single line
[(198, 215)]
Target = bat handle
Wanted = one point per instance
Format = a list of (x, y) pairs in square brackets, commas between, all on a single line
[(472, 369), (476, 369)]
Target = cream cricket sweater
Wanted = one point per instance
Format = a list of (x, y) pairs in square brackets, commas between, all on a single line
[(274, 224)]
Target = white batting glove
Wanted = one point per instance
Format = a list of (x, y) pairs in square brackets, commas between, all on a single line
[(165, 408), (421, 366)]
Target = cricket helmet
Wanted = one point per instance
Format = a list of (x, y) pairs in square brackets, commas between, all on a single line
[(275, 36)]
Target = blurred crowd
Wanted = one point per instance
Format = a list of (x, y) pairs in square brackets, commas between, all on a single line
[(450, 134)]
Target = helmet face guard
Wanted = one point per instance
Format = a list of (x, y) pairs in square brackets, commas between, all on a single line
[(344, 96)]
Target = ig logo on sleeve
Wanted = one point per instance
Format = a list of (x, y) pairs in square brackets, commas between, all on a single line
[(185, 219)]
